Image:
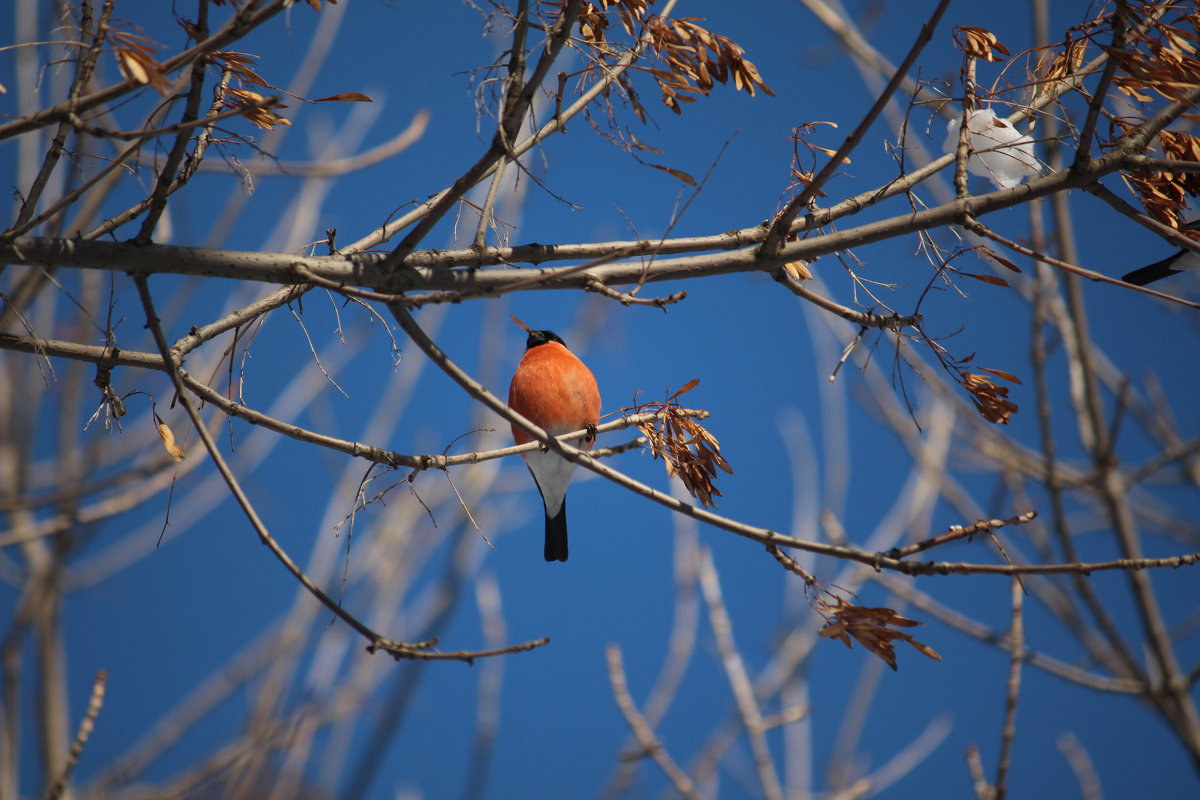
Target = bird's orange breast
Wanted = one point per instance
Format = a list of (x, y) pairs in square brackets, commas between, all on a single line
[(554, 389)]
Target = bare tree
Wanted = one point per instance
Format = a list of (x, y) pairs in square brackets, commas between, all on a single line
[(120, 434)]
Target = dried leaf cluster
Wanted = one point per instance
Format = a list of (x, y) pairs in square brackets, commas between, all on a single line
[(802, 168), (594, 18), (873, 628), (979, 43), (1153, 47), (136, 61), (1159, 57), (694, 59), (255, 107), (1164, 195), (689, 451), (1160, 49), (1057, 65), (258, 108), (135, 54), (990, 398)]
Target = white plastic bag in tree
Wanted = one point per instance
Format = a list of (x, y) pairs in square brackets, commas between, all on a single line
[(998, 151)]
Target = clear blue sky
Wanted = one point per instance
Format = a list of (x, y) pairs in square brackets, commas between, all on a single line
[(163, 625)]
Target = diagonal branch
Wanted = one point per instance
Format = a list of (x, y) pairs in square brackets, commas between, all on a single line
[(641, 729), (783, 222), (766, 536), (248, 17), (516, 106), (398, 650)]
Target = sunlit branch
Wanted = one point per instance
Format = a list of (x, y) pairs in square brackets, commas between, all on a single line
[(764, 535), (645, 736), (239, 25), (783, 222), (398, 650)]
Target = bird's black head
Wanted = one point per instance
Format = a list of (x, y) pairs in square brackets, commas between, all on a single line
[(541, 337)]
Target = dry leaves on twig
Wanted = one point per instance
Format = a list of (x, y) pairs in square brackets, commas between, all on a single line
[(801, 176), (689, 451), (1156, 60), (255, 107), (1057, 65), (1164, 195), (1159, 52), (979, 42), (990, 398), (694, 59), (168, 437), (873, 628), (135, 59)]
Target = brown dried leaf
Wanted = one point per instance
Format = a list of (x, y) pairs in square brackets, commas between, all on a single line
[(873, 628), (135, 60), (999, 373), (254, 107), (990, 399), (688, 450), (1133, 89), (637, 144), (678, 174), (999, 259), (798, 270), (831, 153), (978, 42), (992, 279), (168, 437), (345, 97), (687, 387)]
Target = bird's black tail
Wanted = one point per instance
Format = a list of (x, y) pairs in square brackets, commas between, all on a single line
[(556, 534), (1154, 272)]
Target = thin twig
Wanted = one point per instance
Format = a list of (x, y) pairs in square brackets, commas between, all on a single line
[(518, 101), (240, 24), (893, 322), (81, 736), (637, 723), (978, 779), (398, 650), (783, 222), (739, 681), (976, 226), (956, 532), (1008, 735), (84, 68), (1081, 764), (962, 151), (626, 299)]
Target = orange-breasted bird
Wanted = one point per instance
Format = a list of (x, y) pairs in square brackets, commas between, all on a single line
[(554, 390)]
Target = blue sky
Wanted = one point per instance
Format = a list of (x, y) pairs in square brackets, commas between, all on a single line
[(165, 623)]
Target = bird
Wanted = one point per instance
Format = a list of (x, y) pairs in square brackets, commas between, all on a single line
[(1182, 261), (554, 390)]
